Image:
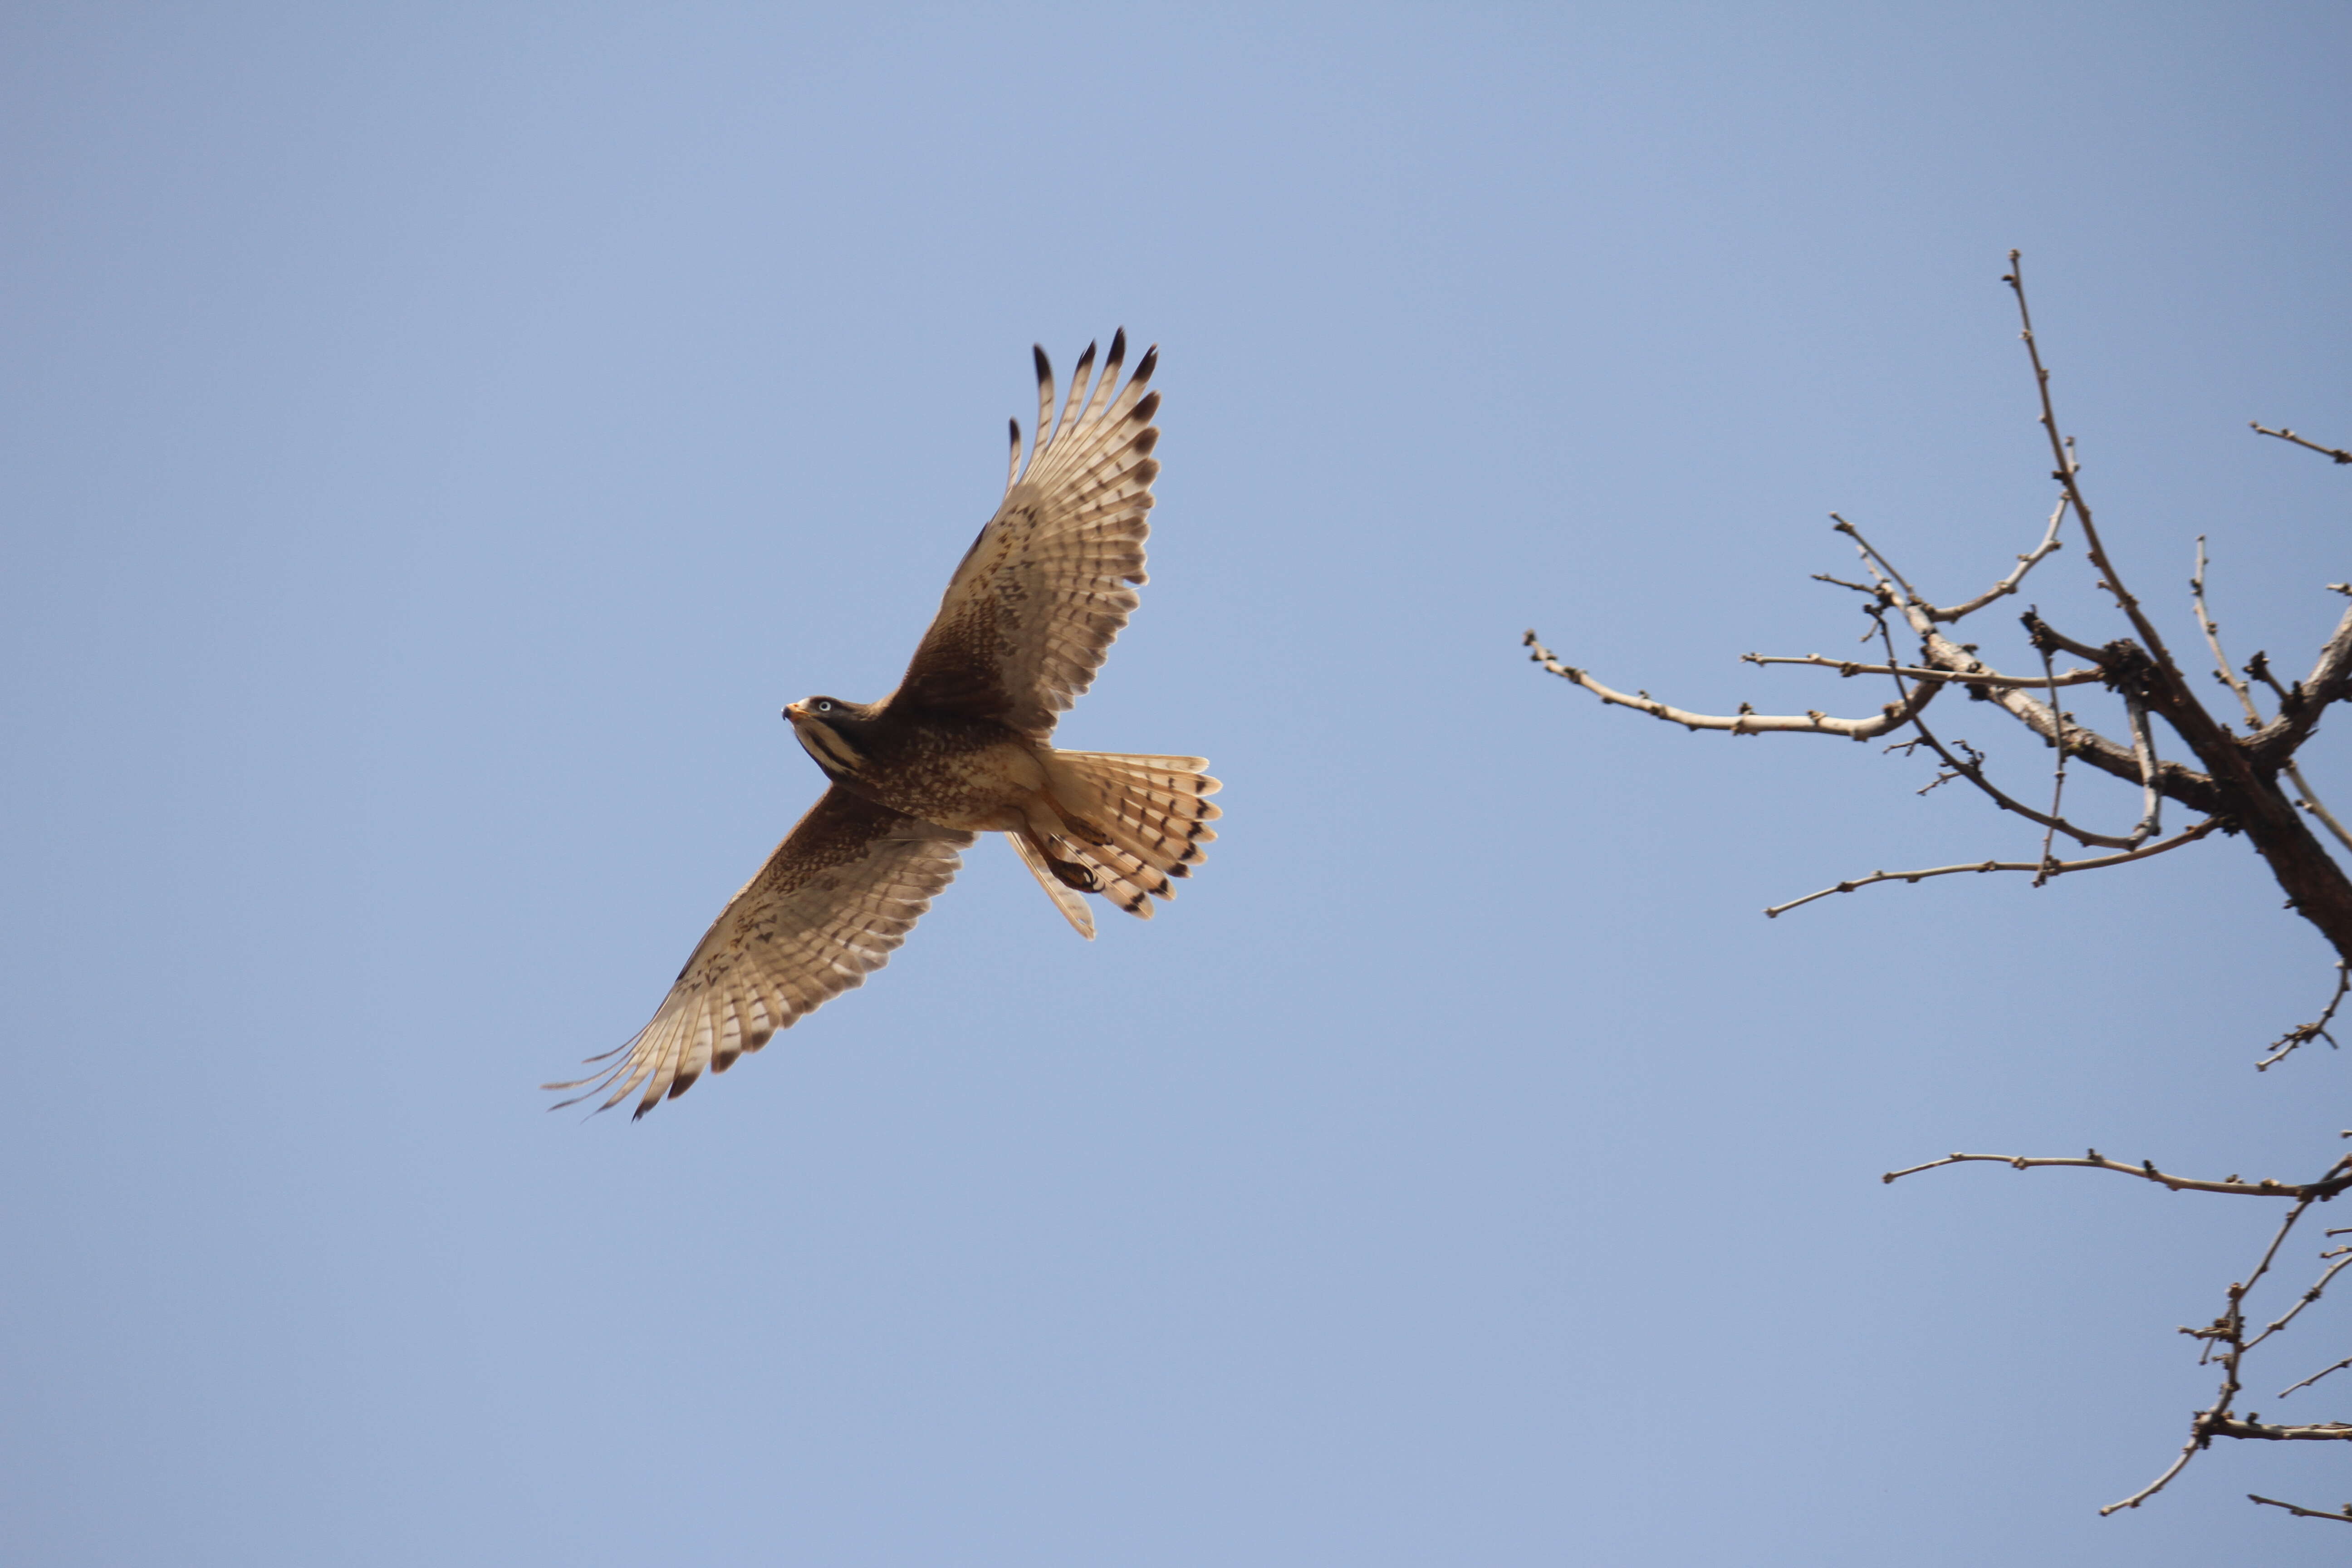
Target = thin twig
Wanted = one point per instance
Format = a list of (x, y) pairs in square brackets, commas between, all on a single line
[(2068, 473), (2343, 1516), (2229, 1332), (2308, 798), (1894, 716), (2151, 816), (2058, 784), (2315, 1378), (2188, 1452), (2338, 453), (1872, 556), (2303, 1035), (2007, 584), (2306, 1300), (2046, 868), (1971, 768), (2212, 630), (2337, 1179)]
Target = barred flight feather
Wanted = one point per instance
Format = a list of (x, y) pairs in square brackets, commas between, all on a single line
[(1049, 583), (837, 896)]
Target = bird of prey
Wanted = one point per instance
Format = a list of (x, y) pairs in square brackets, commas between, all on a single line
[(961, 747)]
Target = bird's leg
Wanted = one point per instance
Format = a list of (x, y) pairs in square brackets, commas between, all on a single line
[(1051, 835)]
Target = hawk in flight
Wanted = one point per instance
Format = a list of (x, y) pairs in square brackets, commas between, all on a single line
[(961, 747)]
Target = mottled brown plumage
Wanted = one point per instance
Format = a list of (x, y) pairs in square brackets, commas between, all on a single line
[(961, 747)]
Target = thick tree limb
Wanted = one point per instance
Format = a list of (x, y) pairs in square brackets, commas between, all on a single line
[(2244, 783), (2326, 1431), (2307, 798), (2329, 681)]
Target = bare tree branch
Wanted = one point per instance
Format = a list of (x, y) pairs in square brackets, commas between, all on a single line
[(2338, 453), (2259, 667), (2235, 785), (2338, 1178), (2008, 585), (2221, 670), (2068, 473), (2188, 1452), (2303, 1035), (1894, 716), (2306, 797), (2044, 867), (2151, 817), (2325, 1432), (1971, 768), (2330, 680), (2306, 1299), (2184, 785), (2315, 1378), (1982, 677), (2342, 1516), (2058, 783)]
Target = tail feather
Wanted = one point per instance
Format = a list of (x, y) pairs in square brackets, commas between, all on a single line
[(1133, 822)]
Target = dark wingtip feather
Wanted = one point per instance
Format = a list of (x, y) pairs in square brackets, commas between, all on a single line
[(1146, 365), (1044, 365), (1148, 406)]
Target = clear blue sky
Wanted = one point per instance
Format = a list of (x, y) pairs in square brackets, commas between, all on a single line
[(437, 441)]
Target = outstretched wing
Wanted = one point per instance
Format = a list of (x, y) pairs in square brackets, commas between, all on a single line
[(839, 894), (1032, 610)]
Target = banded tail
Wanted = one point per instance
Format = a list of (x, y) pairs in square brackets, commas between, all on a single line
[(1119, 826)]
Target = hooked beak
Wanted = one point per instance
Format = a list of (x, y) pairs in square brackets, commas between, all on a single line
[(794, 713)]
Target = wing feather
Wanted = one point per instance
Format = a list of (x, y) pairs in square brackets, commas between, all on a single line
[(1032, 611), (837, 896)]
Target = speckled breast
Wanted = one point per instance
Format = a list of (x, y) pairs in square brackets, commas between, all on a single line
[(955, 777)]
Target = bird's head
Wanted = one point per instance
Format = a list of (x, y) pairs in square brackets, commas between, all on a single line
[(825, 728)]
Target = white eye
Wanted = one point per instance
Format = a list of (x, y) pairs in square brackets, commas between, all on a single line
[(824, 705)]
